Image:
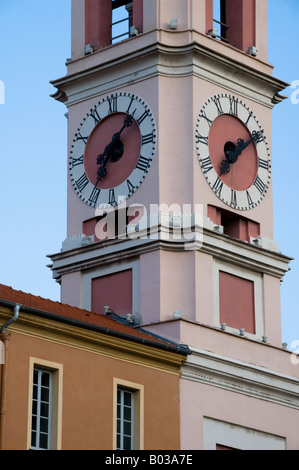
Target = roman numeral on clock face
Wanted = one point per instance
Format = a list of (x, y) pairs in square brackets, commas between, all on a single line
[(142, 118), (264, 164), (77, 161), (147, 139), (95, 115), (112, 102), (93, 198), (129, 107), (259, 184), (143, 163), (206, 164), (249, 199), (216, 100), (233, 106), (82, 182), (249, 117), (217, 187), (80, 137), (112, 196), (204, 115), (131, 187), (200, 139), (233, 198)]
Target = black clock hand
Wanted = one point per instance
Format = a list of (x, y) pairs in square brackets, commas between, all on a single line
[(113, 151), (103, 158), (241, 145), (233, 152)]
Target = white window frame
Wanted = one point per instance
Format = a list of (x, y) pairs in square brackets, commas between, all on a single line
[(39, 401), (138, 416), (121, 420), (56, 371)]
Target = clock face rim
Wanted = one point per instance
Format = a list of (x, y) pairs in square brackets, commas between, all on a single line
[(227, 104), (113, 104)]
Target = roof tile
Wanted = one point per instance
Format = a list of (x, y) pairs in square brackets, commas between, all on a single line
[(64, 311)]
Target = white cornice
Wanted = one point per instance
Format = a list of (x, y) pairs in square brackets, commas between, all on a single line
[(80, 253), (236, 376), (244, 254), (152, 59)]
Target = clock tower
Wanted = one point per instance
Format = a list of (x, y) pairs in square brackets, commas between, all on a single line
[(170, 216)]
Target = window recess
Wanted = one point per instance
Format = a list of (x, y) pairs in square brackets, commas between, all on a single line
[(234, 225), (220, 27), (233, 22), (41, 409), (128, 415), (44, 405), (125, 419), (122, 18)]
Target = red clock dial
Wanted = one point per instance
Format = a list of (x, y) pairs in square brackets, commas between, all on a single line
[(124, 152), (224, 134)]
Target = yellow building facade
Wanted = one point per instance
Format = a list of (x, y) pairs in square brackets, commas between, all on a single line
[(71, 379)]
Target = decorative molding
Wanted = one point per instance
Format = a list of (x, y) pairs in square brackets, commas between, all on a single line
[(110, 69), (244, 254), (247, 379), (209, 240)]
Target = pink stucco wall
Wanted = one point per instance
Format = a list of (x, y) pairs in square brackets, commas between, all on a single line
[(200, 401)]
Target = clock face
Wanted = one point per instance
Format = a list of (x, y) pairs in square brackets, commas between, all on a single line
[(233, 152), (112, 150)]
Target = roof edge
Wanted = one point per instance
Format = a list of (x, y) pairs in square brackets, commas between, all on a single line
[(168, 346)]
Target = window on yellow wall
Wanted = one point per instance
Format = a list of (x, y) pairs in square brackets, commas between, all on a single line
[(41, 409), (125, 419), (128, 415), (45, 405)]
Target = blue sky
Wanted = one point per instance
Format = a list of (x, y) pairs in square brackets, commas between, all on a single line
[(34, 44)]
